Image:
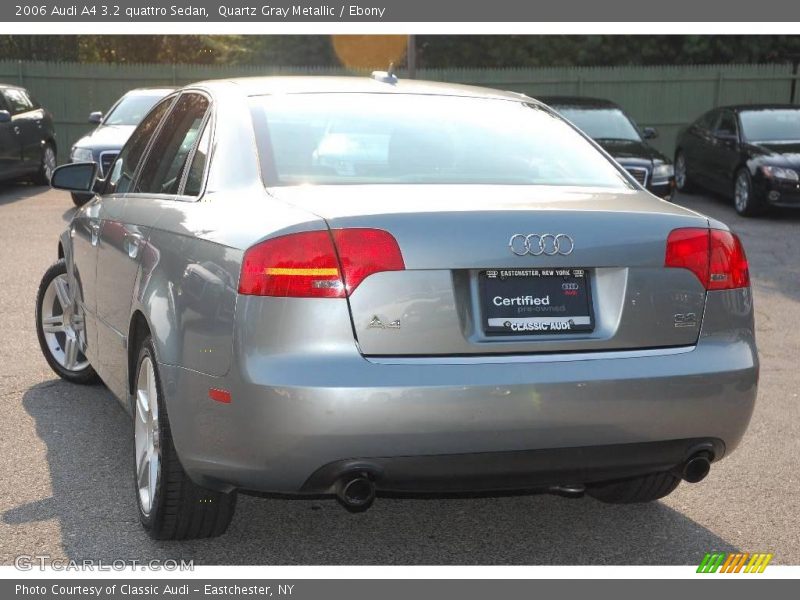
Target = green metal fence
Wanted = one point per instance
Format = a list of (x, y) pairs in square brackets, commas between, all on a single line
[(666, 97)]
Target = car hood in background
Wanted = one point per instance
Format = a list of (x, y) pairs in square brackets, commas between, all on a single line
[(106, 136), (784, 155), (631, 149)]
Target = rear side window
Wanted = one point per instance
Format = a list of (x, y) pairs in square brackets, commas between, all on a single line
[(18, 100), (124, 169), (707, 120), (194, 178), (165, 164)]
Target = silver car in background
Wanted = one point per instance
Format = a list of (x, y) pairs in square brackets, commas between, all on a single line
[(103, 143), (348, 286)]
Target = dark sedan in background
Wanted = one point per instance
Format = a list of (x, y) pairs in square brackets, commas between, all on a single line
[(619, 135), (27, 137), (750, 153), (103, 143)]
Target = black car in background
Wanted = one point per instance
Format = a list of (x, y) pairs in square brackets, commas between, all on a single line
[(102, 144), (748, 152), (607, 124), (27, 137)]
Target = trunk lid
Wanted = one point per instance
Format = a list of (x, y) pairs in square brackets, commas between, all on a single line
[(460, 269)]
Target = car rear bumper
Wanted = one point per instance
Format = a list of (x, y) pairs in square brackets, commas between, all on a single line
[(516, 470), (295, 422)]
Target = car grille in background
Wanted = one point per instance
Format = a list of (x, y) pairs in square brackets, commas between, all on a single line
[(106, 160), (639, 174)]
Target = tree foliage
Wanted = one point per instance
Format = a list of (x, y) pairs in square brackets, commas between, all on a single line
[(432, 50)]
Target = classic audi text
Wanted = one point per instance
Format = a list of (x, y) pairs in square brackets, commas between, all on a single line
[(353, 286)]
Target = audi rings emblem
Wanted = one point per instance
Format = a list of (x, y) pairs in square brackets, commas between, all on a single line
[(539, 244)]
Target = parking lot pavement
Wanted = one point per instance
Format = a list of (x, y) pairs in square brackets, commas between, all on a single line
[(65, 451)]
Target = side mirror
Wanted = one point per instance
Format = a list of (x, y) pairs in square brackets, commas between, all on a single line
[(75, 177), (5, 116), (96, 117), (650, 133)]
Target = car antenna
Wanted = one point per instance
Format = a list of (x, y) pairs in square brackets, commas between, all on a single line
[(387, 76)]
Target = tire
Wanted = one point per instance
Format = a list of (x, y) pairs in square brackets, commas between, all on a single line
[(682, 181), (745, 201), (46, 166), (80, 199), (171, 506), (645, 488), (60, 331)]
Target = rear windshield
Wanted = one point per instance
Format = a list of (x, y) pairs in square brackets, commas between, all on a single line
[(778, 125), (602, 123), (401, 138)]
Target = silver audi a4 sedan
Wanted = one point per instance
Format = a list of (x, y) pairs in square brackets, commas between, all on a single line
[(346, 286)]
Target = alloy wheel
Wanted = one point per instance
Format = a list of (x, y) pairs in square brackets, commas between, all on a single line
[(48, 162), (741, 194), (63, 325), (680, 171), (146, 435)]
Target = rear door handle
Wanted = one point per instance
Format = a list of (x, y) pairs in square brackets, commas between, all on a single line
[(16, 129)]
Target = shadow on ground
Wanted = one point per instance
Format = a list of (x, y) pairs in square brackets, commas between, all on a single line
[(11, 191), (88, 441)]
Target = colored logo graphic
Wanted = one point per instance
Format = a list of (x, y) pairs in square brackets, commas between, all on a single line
[(737, 562)]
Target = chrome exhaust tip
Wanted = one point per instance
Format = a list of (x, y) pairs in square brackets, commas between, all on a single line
[(696, 468), (356, 493)]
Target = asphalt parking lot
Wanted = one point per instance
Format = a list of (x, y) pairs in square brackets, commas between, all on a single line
[(65, 451)]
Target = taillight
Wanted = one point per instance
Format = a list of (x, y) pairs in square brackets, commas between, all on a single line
[(307, 264), (728, 262), (716, 257)]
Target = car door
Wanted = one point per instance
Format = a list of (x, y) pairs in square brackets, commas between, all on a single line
[(27, 119), (125, 234), (118, 251), (723, 154), (10, 149), (697, 145)]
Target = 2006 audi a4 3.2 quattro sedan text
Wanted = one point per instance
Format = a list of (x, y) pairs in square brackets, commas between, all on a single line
[(346, 286)]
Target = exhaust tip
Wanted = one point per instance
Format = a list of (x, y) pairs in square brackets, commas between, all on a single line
[(355, 493), (696, 468)]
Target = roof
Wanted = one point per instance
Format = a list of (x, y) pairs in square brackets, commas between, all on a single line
[(577, 102), (10, 86), (147, 91), (258, 86)]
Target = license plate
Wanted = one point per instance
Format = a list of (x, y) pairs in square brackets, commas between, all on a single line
[(535, 301)]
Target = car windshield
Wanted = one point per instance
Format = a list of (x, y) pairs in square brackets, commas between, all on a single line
[(363, 138), (132, 109), (777, 125), (602, 123)]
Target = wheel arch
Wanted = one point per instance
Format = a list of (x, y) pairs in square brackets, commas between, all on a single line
[(138, 330)]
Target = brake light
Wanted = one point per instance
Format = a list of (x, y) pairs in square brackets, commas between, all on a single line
[(363, 252), (307, 264), (728, 262), (716, 257)]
